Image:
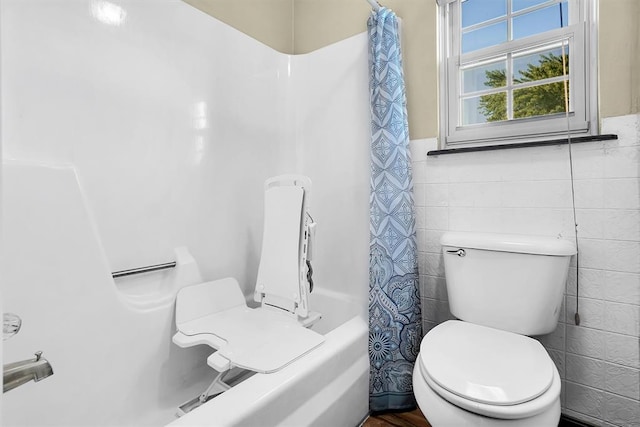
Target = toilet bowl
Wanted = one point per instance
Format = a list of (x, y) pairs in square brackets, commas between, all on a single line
[(474, 375), (484, 369)]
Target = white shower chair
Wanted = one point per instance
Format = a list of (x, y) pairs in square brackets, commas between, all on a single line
[(267, 338)]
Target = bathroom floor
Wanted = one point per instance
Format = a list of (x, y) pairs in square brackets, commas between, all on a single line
[(398, 419)]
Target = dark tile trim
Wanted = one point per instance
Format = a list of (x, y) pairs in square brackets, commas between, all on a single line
[(566, 421), (522, 144)]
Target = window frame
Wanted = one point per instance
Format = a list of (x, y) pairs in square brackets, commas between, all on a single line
[(582, 74)]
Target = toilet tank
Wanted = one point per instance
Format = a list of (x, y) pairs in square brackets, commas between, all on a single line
[(509, 282)]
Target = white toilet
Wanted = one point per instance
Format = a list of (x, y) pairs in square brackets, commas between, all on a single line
[(483, 370)]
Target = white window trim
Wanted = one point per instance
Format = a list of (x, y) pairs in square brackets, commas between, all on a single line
[(584, 121)]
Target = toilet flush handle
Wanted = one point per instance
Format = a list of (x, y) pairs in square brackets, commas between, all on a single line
[(459, 252)]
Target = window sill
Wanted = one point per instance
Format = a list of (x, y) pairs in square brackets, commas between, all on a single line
[(522, 145)]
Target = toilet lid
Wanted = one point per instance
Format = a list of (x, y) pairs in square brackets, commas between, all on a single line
[(486, 365)]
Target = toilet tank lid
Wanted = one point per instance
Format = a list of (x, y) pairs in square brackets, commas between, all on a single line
[(539, 245)]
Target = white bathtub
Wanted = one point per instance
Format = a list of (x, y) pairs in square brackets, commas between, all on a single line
[(327, 387)]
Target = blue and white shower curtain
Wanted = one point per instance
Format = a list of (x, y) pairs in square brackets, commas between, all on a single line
[(394, 301)]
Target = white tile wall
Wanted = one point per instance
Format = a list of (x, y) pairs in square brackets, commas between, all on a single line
[(528, 191)]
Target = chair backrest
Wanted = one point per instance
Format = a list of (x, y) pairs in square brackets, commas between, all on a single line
[(281, 280)]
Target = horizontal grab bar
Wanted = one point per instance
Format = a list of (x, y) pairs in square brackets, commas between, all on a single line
[(141, 270)]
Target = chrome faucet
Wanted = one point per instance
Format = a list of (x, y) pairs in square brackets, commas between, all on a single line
[(17, 373)]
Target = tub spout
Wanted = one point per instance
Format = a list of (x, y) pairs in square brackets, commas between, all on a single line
[(17, 373)]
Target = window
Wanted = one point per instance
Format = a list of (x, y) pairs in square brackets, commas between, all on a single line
[(506, 65)]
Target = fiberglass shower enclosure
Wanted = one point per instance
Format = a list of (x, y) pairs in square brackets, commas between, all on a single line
[(125, 146)]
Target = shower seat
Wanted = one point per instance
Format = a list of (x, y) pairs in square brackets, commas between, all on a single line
[(267, 338)]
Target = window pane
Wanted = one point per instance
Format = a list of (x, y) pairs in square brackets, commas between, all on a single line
[(540, 65), (476, 11), (538, 100), (541, 20), (490, 35), (523, 4), (483, 77), (486, 108)]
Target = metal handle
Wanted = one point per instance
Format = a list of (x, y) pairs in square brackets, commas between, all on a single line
[(141, 270), (459, 252)]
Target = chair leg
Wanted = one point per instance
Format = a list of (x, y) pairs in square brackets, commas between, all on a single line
[(217, 383), (218, 386)]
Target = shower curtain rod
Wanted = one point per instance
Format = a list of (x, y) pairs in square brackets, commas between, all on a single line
[(374, 4)]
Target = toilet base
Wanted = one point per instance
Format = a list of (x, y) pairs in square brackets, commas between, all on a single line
[(441, 413)]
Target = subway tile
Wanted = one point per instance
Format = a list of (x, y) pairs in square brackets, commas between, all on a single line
[(586, 400), (461, 194), (585, 370), (436, 195), (626, 127), (475, 194), (432, 241), (592, 312), (421, 216), (589, 193), (555, 340), (437, 170), (622, 380), (548, 163), (419, 148), (592, 283), (592, 253), (622, 162), (533, 221), (621, 193), (622, 256), (475, 167), (591, 223), (622, 318), (570, 283), (427, 326), (437, 218), (422, 262), (585, 342), (435, 311), (537, 194), (421, 235), (419, 194), (433, 264), (461, 219), (622, 350), (435, 288), (418, 171), (488, 195), (621, 411), (588, 162), (622, 287), (623, 224)]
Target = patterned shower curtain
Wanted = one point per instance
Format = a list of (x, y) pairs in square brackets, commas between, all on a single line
[(394, 300)]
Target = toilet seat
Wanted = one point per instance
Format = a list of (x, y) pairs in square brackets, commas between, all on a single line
[(488, 371)]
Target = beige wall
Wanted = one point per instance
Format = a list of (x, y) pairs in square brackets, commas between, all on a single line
[(619, 52), (268, 21), (301, 26), (318, 23)]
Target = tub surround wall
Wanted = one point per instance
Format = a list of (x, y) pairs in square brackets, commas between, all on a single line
[(127, 143), (334, 149), (155, 129), (112, 365), (527, 191), (269, 21)]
